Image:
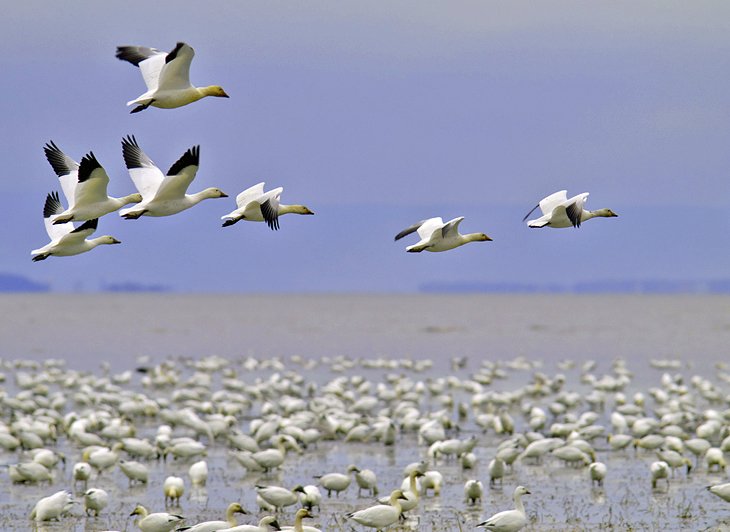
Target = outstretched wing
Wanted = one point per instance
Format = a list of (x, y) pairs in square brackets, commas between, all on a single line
[(451, 228), (51, 208), (180, 175), (175, 73), (270, 207), (145, 175), (250, 194), (92, 181), (149, 60), (66, 169)]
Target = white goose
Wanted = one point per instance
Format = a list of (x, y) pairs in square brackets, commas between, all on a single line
[(721, 490), (298, 526), (95, 500), (52, 507), (67, 240), (156, 522), (380, 516), (167, 76), (255, 205), (509, 520), (558, 211), (439, 236), (85, 187), (163, 195)]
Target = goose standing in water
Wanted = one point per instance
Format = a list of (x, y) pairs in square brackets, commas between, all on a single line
[(85, 187), (380, 516), (255, 205), (163, 195), (558, 211), (52, 507), (509, 520), (67, 240), (156, 522), (167, 76), (439, 236)]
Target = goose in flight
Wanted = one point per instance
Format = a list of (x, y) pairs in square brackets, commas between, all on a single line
[(65, 239), (163, 195), (558, 211), (255, 205), (439, 236), (84, 186), (167, 76)]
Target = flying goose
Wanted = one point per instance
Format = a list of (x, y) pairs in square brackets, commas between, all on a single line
[(167, 76), (439, 236), (65, 239), (558, 211), (85, 187), (163, 195), (255, 205)]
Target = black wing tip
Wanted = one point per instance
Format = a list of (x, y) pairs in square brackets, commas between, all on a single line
[(271, 217), (52, 205), (133, 54), (190, 158), (529, 213), (131, 152), (574, 214), (173, 54), (56, 158), (89, 224), (88, 164)]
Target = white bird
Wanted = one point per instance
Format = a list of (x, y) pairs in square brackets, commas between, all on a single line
[(266, 524), (509, 520), (81, 472), (496, 471), (156, 522), (85, 187), (255, 205), (558, 211), (67, 240), (52, 507), (163, 195), (301, 514), (277, 496), (173, 487), (598, 472), (439, 236), (309, 496), (473, 491), (659, 469), (198, 473), (380, 516), (134, 471), (95, 500), (366, 480), (721, 490), (167, 76), (336, 482), (230, 522)]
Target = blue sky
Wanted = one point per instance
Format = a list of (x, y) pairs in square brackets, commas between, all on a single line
[(376, 115)]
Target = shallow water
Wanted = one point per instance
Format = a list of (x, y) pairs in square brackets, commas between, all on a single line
[(87, 331)]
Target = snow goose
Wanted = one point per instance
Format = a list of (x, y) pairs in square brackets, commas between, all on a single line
[(598, 472), (67, 240), (277, 496), (173, 487), (156, 522), (266, 524), (558, 211), (163, 195), (336, 482), (301, 514), (95, 500), (309, 496), (509, 520), (380, 516), (255, 205), (134, 471), (52, 507), (230, 522), (366, 480), (198, 473), (473, 491), (439, 236), (167, 76), (659, 470), (85, 187)]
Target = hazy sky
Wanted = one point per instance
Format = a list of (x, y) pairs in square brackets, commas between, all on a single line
[(376, 115)]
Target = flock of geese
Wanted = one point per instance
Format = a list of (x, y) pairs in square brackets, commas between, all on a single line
[(167, 77), (145, 426)]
